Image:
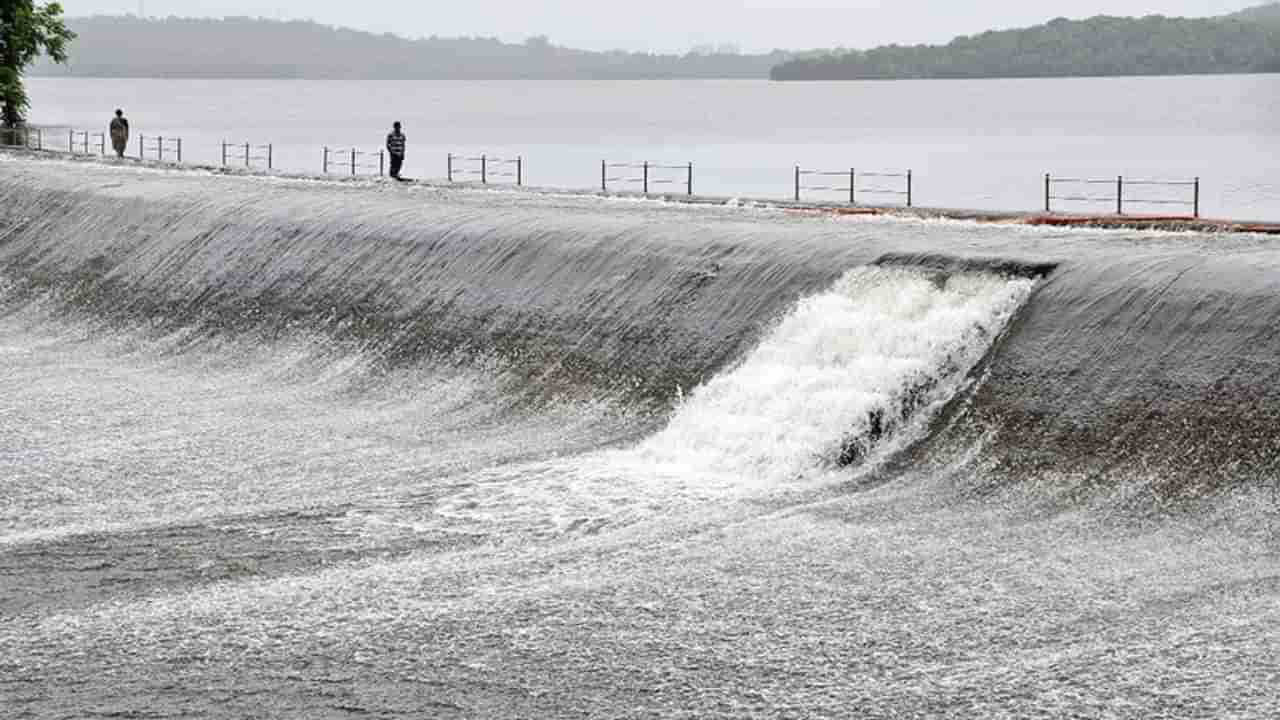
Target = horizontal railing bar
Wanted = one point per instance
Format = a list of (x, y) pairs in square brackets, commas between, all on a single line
[(845, 173), (626, 179), (878, 191), (1083, 198), (641, 166), (1128, 201), (1126, 181), (503, 174), (490, 160), (828, 188)]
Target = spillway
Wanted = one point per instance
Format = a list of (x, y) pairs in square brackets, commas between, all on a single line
[(286, 447)]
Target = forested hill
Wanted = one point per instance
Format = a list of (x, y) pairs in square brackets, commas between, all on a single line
[(1100, 46), (127, 46), (1266, 13)]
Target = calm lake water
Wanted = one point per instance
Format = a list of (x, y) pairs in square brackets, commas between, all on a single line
[(979, 144)]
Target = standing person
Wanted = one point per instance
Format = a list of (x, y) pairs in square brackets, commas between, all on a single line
[(119, 133), (395, 148)]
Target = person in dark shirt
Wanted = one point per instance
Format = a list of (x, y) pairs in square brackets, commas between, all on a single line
[(395, 148), (119, 133)]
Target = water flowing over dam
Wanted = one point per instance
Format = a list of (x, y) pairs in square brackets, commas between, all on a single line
[(278, 447)]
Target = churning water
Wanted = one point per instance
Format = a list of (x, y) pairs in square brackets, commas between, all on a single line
[(291, 449)]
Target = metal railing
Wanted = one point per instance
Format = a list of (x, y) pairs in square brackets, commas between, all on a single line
[(650, 174), (852, 184), (852, 189), (349, 159), (32, 138), (244, 152), (80, 139), (486, 168), (158, 145), (1089, 194)]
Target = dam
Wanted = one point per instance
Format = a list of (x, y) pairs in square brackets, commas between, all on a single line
[(279, 447)]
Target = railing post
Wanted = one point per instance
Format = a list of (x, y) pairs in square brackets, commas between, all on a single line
[(646, 177), (449, 168), (604, 176), (71, 141), (519, 171), (224, 153), (853, 187), (691, 179), (353, 162), (271, 156), (326, 160), (484, 169), (1047, 183), (39, 139), (909, 177), (102, 144), (160, 148), (248, 160), (797, 183), (1119, 194), (382, 163), (1196, 201), (142, 148), (179, 149)]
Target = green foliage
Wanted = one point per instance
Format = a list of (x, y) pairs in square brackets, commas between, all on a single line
[(1099, 46), (26, 31)]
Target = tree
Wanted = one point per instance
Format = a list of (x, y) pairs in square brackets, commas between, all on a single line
[(26, 30)]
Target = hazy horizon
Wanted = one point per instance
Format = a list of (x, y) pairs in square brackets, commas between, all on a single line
[(749, 25)]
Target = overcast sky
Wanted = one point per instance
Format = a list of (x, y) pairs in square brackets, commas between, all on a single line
[(674, 25)]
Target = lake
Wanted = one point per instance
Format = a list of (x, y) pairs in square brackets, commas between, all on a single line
[(983, 144)]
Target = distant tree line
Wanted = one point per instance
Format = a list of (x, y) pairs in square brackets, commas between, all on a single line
[(1265, 13), (1100, 46), (242, 47)]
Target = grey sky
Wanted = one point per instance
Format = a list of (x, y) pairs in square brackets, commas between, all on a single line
[(674, 25)]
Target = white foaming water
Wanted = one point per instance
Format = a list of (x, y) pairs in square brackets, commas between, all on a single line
[(894, 342), (881, 342)]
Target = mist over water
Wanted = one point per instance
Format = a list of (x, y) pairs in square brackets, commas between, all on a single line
[(284, 448)]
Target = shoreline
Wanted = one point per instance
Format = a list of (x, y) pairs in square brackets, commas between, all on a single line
[(1162, 223)]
